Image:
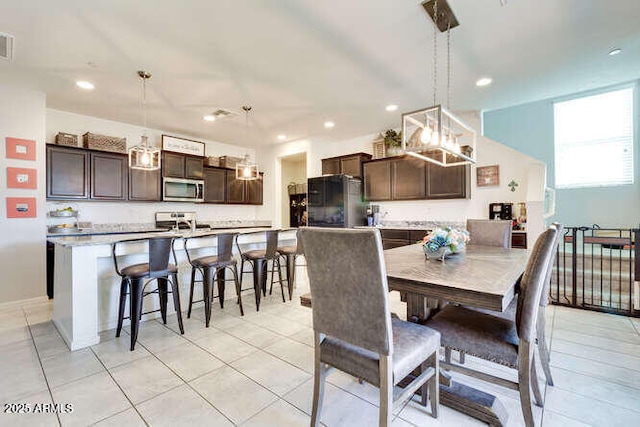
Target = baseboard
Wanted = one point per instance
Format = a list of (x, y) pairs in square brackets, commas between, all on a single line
[(24, 302)]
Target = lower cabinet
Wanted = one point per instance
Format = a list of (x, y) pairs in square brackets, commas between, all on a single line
[(519, 240), (393, 238)]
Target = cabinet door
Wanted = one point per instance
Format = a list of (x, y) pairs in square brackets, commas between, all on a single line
[(108, 176), (67, 173), (235, 188), (254, 190), (194, 168), (351, 166), (447, 182), (377, 180), (330, 166), (145, 185), (408, 179), (215, 185), (173, 165)]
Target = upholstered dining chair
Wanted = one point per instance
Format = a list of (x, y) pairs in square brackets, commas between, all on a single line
[(489, 232), (500, 340), (353, 328)]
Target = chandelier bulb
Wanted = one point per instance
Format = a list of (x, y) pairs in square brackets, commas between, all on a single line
[(425, 135), (435, 138)]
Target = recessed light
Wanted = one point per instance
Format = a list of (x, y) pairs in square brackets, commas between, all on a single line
[(615, 51), (209, 118), (484, 81), (85, 85), (282, 137), (329, 125), (391, 107)]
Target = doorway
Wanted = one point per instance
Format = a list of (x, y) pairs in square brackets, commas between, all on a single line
[(294, 189)]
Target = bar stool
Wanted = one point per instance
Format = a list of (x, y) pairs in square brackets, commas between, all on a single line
[(212, 268), (135, 279), (290, 254), (259, 259)]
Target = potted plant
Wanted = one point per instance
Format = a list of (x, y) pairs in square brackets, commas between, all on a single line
[(393, 142)]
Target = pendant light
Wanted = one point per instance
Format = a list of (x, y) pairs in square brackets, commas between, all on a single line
[(144, 156), (434, 134), (246, 170)]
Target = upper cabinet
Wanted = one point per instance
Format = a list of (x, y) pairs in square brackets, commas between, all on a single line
[(408, 178), (178, 165), (350, 164), (145, 186), (242, 191), (215, 182), (67, 173), (109, 176)]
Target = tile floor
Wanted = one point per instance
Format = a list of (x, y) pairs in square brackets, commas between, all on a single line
[(257, 370)]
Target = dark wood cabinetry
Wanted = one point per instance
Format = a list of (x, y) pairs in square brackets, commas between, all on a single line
[(145, 186), (350, 164), (242, 191), (393, 238), (519, 240), (254, 190), (176, 165), (109, 176), (67, 173), (408, 178), (215, 182)]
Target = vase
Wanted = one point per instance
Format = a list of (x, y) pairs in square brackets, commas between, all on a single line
[(440, 254)]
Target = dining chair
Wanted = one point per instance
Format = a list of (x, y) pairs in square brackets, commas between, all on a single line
[(259, 259), (489, 232), (290, 254), (353, 328), (500, 340), (212, 268), (135, 279)]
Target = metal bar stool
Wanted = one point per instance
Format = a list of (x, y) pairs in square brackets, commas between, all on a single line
[(212, 268), (290, 254), (135, 279), (259, 261)]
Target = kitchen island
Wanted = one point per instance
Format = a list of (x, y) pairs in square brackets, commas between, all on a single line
[(87, 286)]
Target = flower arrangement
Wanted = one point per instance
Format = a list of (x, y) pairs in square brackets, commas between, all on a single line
[(445, 240)]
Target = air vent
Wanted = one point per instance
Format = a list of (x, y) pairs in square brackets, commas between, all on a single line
[(222, 113), (6, 46)]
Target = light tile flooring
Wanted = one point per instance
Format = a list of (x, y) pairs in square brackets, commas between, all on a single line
[(257, 370)]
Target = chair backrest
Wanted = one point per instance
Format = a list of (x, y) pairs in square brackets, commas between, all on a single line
[(349, 289), (531, 284), (225, 246), (159, 251), (489, 232), (299, 246), (272, 243), (544, 296)]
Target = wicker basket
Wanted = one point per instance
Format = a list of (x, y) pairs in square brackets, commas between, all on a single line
[(212, 161), (96, 141), (229, 161), (67, 139)]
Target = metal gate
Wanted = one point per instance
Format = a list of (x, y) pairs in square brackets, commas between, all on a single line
[(598, 269)]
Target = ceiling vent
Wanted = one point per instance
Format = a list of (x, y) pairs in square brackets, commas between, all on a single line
[(6, 46), (221, 113)]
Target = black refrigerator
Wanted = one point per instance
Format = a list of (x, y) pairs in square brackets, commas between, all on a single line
[(335, 201)]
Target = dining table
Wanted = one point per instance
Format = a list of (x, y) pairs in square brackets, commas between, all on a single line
[(480, 276)]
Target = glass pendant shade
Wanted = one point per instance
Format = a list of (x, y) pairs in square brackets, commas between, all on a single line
[(246, 171), (143, 156), (437, 136)]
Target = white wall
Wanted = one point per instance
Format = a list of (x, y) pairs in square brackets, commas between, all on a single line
[(113, 212), (292, 172), (23, 243)]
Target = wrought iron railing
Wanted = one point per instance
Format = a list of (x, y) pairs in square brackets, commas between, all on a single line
[(598, 269)]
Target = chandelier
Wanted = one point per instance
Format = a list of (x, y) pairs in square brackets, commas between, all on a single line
[(434, 134), (245, 169), (144, 156)]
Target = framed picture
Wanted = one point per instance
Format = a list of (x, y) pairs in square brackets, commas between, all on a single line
[(488, 176), (21, 207), (22, 178), (181, 145), (22, 149)]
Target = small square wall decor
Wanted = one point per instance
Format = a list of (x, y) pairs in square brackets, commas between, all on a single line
[(488, 176), (22, 149), (21, 207), (22, 178)]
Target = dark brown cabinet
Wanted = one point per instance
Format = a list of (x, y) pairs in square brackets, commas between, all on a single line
[(215, 181), (519, 240), (242, 191), (350, 164), (254, 190), (393, 238), (408, 178), (377, 180), (448, 182), (176, 165), (67, 173), (109, 176), (145, 186)]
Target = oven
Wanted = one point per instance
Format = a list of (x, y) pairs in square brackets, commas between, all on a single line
[(182, 190)]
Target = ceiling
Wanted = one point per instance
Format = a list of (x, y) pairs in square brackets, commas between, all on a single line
[(299, 63)]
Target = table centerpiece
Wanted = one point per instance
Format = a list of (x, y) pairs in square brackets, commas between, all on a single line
[(444, 241)]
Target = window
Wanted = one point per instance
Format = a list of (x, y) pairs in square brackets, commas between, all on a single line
[(594, 140)]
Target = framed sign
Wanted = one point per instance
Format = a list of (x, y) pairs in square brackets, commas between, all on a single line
[(488, 176), (21, 207), (22, 178), (181, 145), (22, 149)]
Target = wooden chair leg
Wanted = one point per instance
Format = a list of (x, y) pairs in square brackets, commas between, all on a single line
[(123, 301), (462, 357), (135, 309), (524, 382), (193, 281), (543, 350), (386, 391), (319, 376), (175, 291), (162, 296), (447, 354), (535, 385), (434, 384), (234, 270)]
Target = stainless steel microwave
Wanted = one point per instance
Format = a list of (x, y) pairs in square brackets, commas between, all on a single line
[(182, 190)]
